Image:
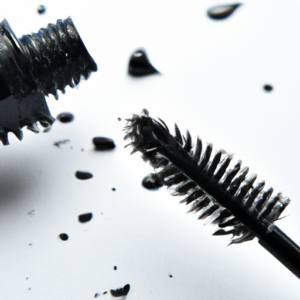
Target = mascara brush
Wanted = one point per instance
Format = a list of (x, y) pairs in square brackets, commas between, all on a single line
[(225, 195)]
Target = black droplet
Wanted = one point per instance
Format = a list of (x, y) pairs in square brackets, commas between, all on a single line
[(85, 217), (171, 276), (152, 182), (97, 295), (104, 292), (115, 268), (268, 88), (103, 143), (121, 291), (65, 117), (64, 236), (41, 9), (119, 119), (83, 175), (113, 189), (222, 11), (139, 64)]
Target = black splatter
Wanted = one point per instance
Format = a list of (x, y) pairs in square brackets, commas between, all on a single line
[(103, 143), (97, 295), (113, 189), (65, 117), (41, 9), (171, 276), (59, 143), (222, 11), (139, 64), (115, 268), (83, 175), (85, 217), (152, 182), (64, 236), (121, 291), (268, 88), (104, 292)]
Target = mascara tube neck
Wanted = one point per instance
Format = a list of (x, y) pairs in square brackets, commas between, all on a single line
[(283, 248)]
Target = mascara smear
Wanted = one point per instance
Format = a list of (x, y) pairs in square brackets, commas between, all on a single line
[(222, 12), (121, 291), (139, 64), (152, 182)]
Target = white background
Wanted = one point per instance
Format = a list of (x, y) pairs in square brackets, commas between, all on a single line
[(211, 83)]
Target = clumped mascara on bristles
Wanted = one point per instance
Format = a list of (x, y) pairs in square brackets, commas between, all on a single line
[(225, 195)]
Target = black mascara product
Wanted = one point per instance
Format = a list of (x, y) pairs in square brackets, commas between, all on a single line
[(228, 196)]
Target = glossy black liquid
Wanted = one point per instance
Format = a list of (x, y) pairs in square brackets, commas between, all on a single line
[(120, 292), (64, 236), (268, 88), (139, 64), (152, 182), (41, 9), (65, 117), (83, 175), (222, 11), (103, 143), (85, 217)]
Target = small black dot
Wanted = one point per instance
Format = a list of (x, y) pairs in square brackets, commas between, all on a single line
[(119, 119), (41, 9), (64, 236), (113, 189), (171, 276), (268, 88), (65, 117), (115, 268)]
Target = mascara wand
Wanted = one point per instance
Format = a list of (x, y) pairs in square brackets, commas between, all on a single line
[(227, 196)]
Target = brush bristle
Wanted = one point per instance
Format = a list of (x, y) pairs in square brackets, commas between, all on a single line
[(143, 131)]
